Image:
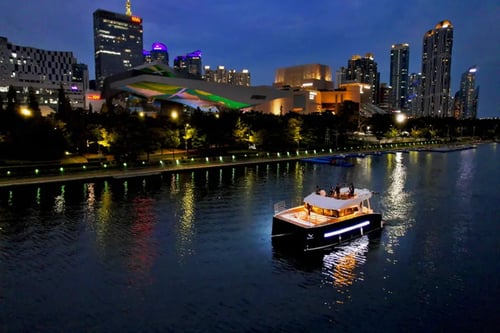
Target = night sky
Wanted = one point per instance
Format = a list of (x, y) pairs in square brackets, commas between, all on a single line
[(263, 35)]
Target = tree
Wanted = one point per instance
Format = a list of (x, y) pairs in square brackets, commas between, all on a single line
[(33, 105), (105, 138), (63, 104), (12, 104), (294, 130), (171, 140), (241, 132)]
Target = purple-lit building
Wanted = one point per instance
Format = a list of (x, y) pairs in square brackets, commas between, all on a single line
[(158, 53), (189, 63)]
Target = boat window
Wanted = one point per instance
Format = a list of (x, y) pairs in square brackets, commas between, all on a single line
[(317, 210), (349, 211), (331, 212)]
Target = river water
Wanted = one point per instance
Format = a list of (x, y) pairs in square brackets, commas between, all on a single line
[(191, 252)]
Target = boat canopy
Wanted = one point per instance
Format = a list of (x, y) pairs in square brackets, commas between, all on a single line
[(327, 202)]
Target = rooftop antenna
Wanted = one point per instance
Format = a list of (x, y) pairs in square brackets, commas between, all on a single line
[(129, 9)]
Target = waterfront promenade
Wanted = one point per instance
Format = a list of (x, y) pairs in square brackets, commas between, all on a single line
[(160, 167), (123, 173)]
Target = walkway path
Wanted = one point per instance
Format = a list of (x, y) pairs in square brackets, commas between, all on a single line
[(133, 172)]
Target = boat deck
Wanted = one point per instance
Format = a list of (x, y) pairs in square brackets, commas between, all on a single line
[(300, 217)]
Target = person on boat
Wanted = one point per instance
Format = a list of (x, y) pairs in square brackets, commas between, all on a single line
[(337, 191), (351, 190)]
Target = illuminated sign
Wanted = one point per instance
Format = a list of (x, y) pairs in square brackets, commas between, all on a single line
[(136, 19), (94, 96)]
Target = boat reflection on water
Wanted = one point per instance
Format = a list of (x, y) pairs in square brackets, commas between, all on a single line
[(339, 265)]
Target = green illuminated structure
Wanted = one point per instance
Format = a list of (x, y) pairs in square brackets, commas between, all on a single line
[(161, 83)]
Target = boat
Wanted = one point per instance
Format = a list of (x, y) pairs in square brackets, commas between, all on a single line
[(325, 219), (336, 160), (317, 160), (341, 162)]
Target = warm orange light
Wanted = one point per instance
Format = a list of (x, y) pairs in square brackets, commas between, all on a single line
[(94, 97), (26, 112), (136, 19)]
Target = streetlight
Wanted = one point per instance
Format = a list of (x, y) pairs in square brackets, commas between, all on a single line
[(187, 136), (174, 115), (26, 112)]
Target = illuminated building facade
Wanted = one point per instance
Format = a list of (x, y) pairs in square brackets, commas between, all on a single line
[(222, 75), (414, 100), (400, 63), (158, 53), (118, 43), (384, 97), (309, 77), (45, 71), (436, 69), (189, 63), (364, 70), (468, 95)]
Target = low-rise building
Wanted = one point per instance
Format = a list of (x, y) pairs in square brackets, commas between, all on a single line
[(44, 71)]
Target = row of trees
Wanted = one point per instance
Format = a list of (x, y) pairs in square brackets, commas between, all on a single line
[(26, 135)]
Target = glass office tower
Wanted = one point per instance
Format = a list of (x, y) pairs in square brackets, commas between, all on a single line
[(118, 43), (400, 63)]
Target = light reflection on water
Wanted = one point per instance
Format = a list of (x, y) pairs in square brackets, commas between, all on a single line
[(397, 204), (186, 220), (126, 253), (341, 266)]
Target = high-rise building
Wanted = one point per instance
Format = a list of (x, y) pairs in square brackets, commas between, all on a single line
[(364, 70), (436, 69), (158, 53), (400, 63), (384, 97), (189, 63), (222, 75), (414, 99), (468, 94), (118, 43), (44, 71)]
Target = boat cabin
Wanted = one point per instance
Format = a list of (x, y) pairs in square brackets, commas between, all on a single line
[(341, 206)]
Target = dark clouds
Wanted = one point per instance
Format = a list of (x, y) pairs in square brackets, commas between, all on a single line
[(262, 35)]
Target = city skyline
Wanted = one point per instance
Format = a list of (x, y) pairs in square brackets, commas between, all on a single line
[(272, 36)]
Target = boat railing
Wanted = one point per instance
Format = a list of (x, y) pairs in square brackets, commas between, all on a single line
[(279, 206)]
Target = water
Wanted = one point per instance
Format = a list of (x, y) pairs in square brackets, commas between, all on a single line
[(191, 252)]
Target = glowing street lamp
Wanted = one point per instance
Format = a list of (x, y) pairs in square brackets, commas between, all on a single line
[(174, 115), (400, 118), (26, 112), (187, 136)]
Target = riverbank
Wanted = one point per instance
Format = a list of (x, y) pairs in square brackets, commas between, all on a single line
[(106, 171)]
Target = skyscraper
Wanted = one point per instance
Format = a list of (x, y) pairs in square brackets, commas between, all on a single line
[(189, 63), (400, 62), (222, 75), (117, 43), (436, 68), (364, 70), (414, 94), (159, 52), (468, 94)]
